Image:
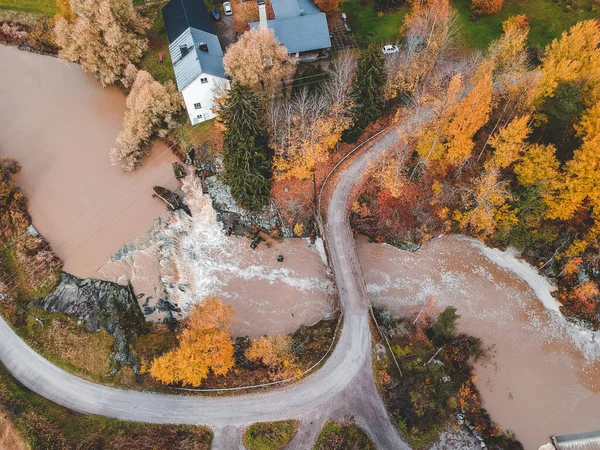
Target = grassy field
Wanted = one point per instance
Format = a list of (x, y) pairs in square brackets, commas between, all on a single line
[(157, 44), (45, 7), (548, 19), (270, 435), (46, 425), (371, 28)]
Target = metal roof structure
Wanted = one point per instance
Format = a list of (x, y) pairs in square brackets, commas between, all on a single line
[(194, 47), (299, 25), (179, 15)]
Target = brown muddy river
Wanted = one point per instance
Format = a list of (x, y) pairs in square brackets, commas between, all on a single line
[(59, 124), (541, 379)]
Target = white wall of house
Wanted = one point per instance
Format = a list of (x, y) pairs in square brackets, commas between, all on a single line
[(198, 97)]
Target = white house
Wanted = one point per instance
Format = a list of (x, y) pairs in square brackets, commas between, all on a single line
[(196, 56)]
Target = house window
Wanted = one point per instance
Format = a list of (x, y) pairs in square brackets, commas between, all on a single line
[(197, 106), (203, 80)]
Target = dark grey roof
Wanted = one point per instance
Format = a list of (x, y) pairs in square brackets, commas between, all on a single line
[(301, 33), (179, 15), (196, 61)]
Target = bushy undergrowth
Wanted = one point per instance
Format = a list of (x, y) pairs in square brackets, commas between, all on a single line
[(343, 436), (270, 435), (46, 425), (437, 380)]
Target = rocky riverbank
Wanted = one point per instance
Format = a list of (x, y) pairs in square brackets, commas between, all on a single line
[(103, 305)]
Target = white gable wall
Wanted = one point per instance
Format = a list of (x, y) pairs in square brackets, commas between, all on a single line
[(203, 93)]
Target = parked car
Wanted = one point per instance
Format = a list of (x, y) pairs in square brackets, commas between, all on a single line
[(390, 49), (227, 9), (216, 14)]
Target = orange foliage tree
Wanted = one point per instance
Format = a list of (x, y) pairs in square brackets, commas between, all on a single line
[(275, 353), (328, 6), (575, 57), (205, 344), (485, 7)]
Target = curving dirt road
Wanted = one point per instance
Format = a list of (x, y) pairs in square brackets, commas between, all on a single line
[(343, 387)]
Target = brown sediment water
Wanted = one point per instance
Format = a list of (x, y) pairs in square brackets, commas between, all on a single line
[(60, 124), (186, 259), (542, 377)]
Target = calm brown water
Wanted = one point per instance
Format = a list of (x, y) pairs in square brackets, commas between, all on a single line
[(536, 382), (59, 124)]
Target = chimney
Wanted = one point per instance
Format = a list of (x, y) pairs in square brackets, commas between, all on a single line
[(262, 14), (184, 50), (203, 46)]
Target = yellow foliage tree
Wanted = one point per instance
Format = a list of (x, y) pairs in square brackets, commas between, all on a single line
[(509, 142), (485, 7), (582, 175), (276, 353), (574, 57), (449, 141), (205, 344), (485, 203), (509, 50), (538, 166), (258, 60)]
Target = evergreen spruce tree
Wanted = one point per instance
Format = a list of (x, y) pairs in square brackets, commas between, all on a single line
[(367, 91), (247, 156)]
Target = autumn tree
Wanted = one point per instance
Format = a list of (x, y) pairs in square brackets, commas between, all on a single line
[(448, 141), (486, 205), (328, 6), (574, 57), (306, 127), (429, 31), (247, 157), (151, 110), (582, 177), (259, 61), (509, 142), (205, 344), (538, 167), (244, 13), (103, 36), (486, 7), (275, 353)]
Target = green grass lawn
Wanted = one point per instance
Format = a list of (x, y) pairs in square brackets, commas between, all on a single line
[(45, 7), (548, 19), (364, 20), (157, 44)]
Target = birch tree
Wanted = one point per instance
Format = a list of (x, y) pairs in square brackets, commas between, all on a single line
[(102, 36)]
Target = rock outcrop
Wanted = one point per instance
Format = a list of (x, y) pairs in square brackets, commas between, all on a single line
[(103, 305)]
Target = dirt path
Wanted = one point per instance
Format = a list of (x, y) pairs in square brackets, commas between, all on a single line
[(343, 387)]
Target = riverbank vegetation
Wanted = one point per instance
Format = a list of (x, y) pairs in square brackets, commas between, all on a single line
[(270, 435), (432, 386), (342, 436), (501, 149), (28, 267), (222, 361), (46, 425)]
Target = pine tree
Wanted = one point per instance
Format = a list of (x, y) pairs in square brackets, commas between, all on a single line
[(247, 156), (367, 92)]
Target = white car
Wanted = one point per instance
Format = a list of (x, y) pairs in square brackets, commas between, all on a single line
[(390, 49), (227, 9)]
